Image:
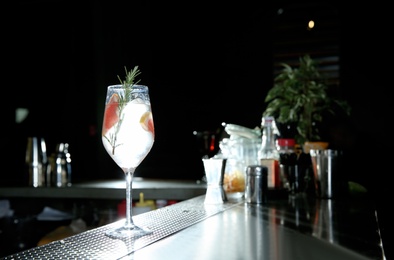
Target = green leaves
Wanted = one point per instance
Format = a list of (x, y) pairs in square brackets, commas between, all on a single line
[(128, 85), (130, 77), (299, 95)]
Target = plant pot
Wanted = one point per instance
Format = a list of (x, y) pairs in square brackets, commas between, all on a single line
[(314, 145)]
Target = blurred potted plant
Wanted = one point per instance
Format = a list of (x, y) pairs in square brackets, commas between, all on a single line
[(300, 99)]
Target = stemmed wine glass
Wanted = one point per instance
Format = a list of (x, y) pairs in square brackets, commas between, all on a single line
[(128, 136)]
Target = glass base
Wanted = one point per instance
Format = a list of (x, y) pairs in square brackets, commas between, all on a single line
[(128, 232), (235, 196)]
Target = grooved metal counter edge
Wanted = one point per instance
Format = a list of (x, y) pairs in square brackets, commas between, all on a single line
[(293, 229), (94, 244)]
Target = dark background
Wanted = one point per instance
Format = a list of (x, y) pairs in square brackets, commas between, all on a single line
[(63, 55), (205, 63)]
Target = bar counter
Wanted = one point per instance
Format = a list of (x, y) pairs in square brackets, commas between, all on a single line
[(286, 228)]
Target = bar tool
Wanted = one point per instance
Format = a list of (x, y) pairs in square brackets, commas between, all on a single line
[(214, 171)]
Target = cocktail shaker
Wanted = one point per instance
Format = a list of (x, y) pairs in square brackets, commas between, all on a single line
[(36, 161), (59, 169), (329, 180)]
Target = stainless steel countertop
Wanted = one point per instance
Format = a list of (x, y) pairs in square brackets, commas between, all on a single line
[(113, 189), (294, 228)]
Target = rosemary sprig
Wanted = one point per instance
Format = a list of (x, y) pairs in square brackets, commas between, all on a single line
[(128, 85), (130, 77)]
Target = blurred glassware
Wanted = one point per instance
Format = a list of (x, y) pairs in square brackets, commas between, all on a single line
[(240, 152), (214, 172), (256, 184), (36, 161), (59, 167), (207, 142), (330, 182)]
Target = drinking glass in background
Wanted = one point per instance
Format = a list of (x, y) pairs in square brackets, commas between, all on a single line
[(240, 153)]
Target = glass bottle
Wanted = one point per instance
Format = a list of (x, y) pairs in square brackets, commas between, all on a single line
[(268, 153)]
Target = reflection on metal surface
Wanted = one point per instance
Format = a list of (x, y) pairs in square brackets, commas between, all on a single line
[(94, 244), (252, 232), (254, 222), (298, 228), (323, 222)]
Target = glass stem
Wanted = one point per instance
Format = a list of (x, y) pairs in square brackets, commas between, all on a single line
[(129, 200)]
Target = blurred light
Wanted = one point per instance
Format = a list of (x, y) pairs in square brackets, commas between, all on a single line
[(21, 114), (311, 25)]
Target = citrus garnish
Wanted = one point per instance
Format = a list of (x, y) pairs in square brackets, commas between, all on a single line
[(146, 122), (111, 113)]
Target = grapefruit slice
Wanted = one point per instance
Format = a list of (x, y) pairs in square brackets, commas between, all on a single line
[(111, 113)]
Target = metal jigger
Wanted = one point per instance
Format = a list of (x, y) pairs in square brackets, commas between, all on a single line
[(214, 172)]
